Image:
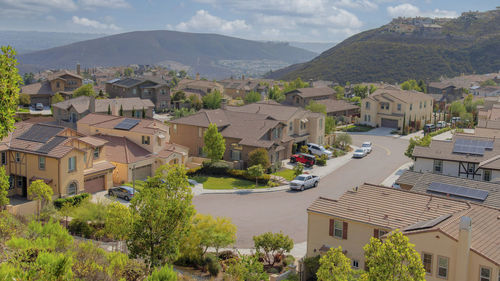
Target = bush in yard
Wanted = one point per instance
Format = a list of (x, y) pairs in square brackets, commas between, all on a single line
[(226, 255), (193, 171), (321, 160), (304, 149), (272, 245), (259, 156), (24, 99), (298, 169), (256, 171), (312, 265), (214, 168), (246, 268), (166, 273), (242, 174), (81, 228), (212, 264), (344, 140), (73, 200)]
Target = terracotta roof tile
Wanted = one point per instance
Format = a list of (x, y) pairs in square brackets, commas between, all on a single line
[(313, 92)]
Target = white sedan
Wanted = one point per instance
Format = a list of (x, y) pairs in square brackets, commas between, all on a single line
[(359, 153), (367, 145)]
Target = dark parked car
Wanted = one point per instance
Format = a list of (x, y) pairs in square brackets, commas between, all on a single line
[(125, 192), (306, 159)]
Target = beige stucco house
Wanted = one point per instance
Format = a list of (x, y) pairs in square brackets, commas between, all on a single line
[(456, 240), (63, 82), (302, 97), (390, 106)]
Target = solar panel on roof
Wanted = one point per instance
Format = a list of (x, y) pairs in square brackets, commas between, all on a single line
[(470, 146), (127, 124), (460, 191), (428, 223), (40, 133), (46, 148)]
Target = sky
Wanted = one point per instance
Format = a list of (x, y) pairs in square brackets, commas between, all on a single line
[(270, 20)]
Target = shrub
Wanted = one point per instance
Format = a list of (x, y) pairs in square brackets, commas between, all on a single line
[(273, 270), (289, 260), (259, 156), (81, 228), (212, 264), (24, 99), (73, 200), (226, 255), (312, 265), (193, 171), (242, 174), (304, 149), (214, 168), (321, 160), (272, 184)]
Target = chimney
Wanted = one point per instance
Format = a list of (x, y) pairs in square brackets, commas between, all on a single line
[(92, 104), (463, 249), (197, 76), (114, 108), (78, 68)]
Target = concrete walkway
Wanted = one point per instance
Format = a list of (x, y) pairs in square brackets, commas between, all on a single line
[(389, 181)]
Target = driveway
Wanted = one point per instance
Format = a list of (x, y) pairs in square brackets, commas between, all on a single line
[(46, 111), (285, 211)]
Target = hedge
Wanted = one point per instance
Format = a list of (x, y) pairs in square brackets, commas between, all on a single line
[(73, 200), (242, 174)]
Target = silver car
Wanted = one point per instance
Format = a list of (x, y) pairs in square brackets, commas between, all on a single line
[(367, 145), (359, 153)]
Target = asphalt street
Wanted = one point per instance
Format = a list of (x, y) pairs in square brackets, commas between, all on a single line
[(285, 211)]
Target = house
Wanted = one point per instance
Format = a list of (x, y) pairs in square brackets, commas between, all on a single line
[(67, 161), (156, 91), (63, 82), (238, 88), (137, 147), (390, 107), (341, 109), (198, 87), (480, 192), (457, 240), (466, 156), (302, 125), (242, 131), (302, 97), (75, 109), (444, 92)]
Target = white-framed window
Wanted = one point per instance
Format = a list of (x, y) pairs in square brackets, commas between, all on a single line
[(425, 104), (4, 158), (427, 262), (18, 157), (290, 126), (399, 107), (367, 105), (134, 91), (442, 270), (145, 140), (41, 163), (85, 158), (235, 155), (484, 274), (486, 175), (72, 164), (438, 166), (72, 188), (355, 263), (338, 229), (96, 153), (471, 168)]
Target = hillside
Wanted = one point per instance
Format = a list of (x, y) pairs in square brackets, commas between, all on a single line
[(419, 48), (211, 55)]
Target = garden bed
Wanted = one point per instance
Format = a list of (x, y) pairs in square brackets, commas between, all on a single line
[(222, 182), (356, 128)]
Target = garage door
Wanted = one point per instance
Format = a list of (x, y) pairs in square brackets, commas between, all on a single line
[(389, 123), (142, 173), (94, 184)]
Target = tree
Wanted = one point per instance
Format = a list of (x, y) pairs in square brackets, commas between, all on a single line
[(39, 190), (120, 112), (259, 156), (179, 96), (85, 90), (334, 266), (183, 112), (212, 100), (133, 111), (118, 221), (340, 92), (10, 81), (57, 98), (422, 86), (298, 169), (272, 245), (316, 107), (24, 99), (166, 273), (28, 78), (393, 259), (372, 89), (276, 94), (4, 187), (182, 74), (456, 108), (208, 232), (361, 91), (411, 85), (128, 72), (255, 171), (344, 139), (488, 82), (215, 144), (195, 102), (330, 124), (246, 268), (252, 97), (109, 109), (161, 216)]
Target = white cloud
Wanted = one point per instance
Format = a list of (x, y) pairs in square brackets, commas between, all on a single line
[(114, 4), (409, 10), (93, 23), (357, 4), (203, 21)]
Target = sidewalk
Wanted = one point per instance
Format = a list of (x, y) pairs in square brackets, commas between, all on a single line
[(389, 181), (299, 250)]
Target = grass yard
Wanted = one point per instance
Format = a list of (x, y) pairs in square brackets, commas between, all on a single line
[(225, 183), (288, 174), (22, 109), (138, 184), (357, 128)]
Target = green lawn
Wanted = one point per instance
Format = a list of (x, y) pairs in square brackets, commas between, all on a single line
[(225, 183), (288, 174), (22, 109)]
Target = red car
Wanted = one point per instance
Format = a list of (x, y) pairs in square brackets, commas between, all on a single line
[(306, 159)]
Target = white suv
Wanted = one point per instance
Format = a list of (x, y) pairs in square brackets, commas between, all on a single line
[(367, 145), (319, 150)]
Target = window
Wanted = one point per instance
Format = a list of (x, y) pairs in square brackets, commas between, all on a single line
[(134, 91), (427, 261), (72, 164), (85, 157), (377, 233), (321, 123), (411, 106), (399, 107), (18, 157), (145, 140), (487, 175), (442, 267), (425, 104), (355, 263), (96, 153), (367, 105), (369, 118), (20, 181), (137, 114), (72, 188), (471, 168), (235, 155), (484, 274), (290, 126), (438, 166), (4, 158), (58, 84), (337, 229), (200, 132), (41, 163)]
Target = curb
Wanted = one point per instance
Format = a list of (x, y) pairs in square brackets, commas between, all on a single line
[(393, 174), (246, 191)]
